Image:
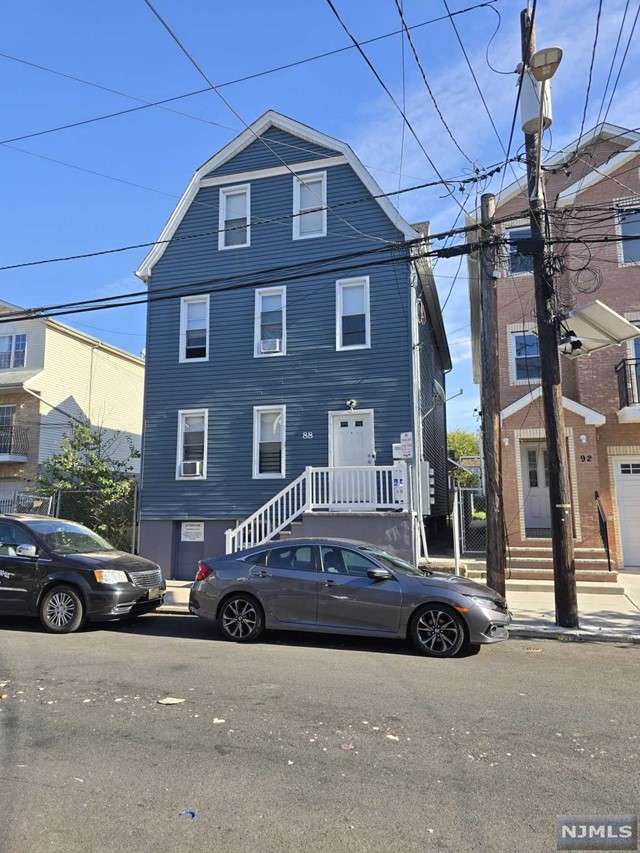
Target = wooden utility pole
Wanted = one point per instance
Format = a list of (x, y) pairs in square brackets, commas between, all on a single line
[(564, 565), (491, 441)]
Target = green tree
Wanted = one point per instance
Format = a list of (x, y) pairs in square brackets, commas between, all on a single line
[(463, 443), (96, 487)]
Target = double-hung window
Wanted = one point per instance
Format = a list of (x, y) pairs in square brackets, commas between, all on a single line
[(194, 328), (234, 228), (269, 423), (526, 356), (630, 230), (353, 327), (270, 335), (517, 262), (192, 444), (310, 206), (13, 351)]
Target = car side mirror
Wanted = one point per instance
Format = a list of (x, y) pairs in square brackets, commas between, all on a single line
[(379, 574), (26, 551)]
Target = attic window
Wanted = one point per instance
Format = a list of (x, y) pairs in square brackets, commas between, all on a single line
[(309, 206), (234, 228)]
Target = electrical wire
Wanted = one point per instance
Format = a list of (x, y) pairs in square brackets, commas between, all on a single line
[(593, 58), (389, 94), (208, 233), (475, 79), (428, 87), (257, 136), (164, 101), (486, 53)]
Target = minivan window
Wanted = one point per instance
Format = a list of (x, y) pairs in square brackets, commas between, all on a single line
[(66, 537)]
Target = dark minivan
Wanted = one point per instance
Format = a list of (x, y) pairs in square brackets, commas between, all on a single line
[(66, 574)]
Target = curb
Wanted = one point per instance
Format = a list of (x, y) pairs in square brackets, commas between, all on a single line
[(174, 610), (570, 636)]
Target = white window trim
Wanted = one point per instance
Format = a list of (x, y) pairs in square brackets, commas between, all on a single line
[(340, 285), (257, 411), (182, 413), (621, 203), (269, 291), (186, 300), (632, 317), (13, 350), (513, 330), (224, 192), (297, 181), (507, 271)]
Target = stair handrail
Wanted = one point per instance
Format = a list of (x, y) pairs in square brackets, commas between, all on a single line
[(604, 532), (279, 520)]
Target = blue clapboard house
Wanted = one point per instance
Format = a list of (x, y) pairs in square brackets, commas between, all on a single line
[(295, 358)]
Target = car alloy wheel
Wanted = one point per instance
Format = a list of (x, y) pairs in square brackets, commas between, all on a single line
[(437, 631), (241, 619), (61, 610)]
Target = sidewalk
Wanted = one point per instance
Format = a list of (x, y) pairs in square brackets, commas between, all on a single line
[(603, 617)]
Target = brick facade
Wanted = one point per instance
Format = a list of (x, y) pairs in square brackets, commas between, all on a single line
[(589, 380)]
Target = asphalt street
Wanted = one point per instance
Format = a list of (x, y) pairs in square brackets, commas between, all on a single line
[(305, 742)]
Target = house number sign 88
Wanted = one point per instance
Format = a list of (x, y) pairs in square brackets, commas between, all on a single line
[(307, 435)]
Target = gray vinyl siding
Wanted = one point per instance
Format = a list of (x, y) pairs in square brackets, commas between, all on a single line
[(434, 424), (287, 147), (311, 380)]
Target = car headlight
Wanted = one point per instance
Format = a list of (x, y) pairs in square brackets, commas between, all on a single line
[(110, 576), (487, 603)]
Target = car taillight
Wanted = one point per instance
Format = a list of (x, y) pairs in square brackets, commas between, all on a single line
[(203, 571)]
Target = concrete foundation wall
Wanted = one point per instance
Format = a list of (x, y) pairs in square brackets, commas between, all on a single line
[(388, 530)]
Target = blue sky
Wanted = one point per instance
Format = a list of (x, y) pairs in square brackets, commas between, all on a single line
[(50, 209)]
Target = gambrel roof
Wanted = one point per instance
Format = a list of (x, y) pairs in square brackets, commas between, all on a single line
[(203, 177)]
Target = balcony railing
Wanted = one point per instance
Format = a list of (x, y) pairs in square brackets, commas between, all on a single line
[(14, 441), (628, 373)]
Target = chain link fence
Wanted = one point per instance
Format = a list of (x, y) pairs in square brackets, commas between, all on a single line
[(28, 503), (473, 521), (113, 519)]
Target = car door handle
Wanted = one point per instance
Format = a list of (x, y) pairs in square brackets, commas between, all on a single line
[(329, 583), (261, 574)]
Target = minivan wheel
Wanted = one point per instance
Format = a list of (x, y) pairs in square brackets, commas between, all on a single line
[(437, 631), (241, 619), (62, 610)]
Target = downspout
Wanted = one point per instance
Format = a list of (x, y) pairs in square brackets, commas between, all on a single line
[(415, 478)]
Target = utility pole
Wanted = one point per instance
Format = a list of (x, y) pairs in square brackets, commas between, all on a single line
[(564, 566), (491, 443)]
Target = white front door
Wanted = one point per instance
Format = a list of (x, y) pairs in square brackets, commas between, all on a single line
[(353, 447), (535, 485), (627, 477)]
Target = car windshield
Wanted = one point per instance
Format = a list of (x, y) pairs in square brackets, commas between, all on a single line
[(395, 564), (65, 537)]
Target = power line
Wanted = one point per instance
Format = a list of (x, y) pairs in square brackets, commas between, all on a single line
[(257, 136), (593, 58), (475, 79), (426, 83), (164, 101), (388, 92), (208, 233), (299, 272)]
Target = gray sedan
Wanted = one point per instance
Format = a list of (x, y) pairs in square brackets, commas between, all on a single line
[(338, 586)]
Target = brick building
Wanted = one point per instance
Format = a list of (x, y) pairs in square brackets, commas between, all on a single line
[(594, 194)]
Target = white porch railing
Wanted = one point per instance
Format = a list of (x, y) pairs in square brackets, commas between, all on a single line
[(365, 488)]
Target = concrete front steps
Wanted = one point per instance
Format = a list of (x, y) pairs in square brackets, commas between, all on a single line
[(535, 563)]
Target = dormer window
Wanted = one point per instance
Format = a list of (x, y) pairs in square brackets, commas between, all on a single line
[(13, 351), (235, 204), (310, 206)]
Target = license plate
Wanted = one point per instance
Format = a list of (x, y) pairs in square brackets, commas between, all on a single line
[(154, 593)]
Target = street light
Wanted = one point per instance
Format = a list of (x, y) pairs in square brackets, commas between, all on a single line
[(543, 65)]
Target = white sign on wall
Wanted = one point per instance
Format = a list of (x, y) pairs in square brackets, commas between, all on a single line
[(192, 531), (406, 445)]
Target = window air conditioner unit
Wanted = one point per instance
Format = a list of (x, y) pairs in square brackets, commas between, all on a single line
[(192, 469), (272, 345)]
